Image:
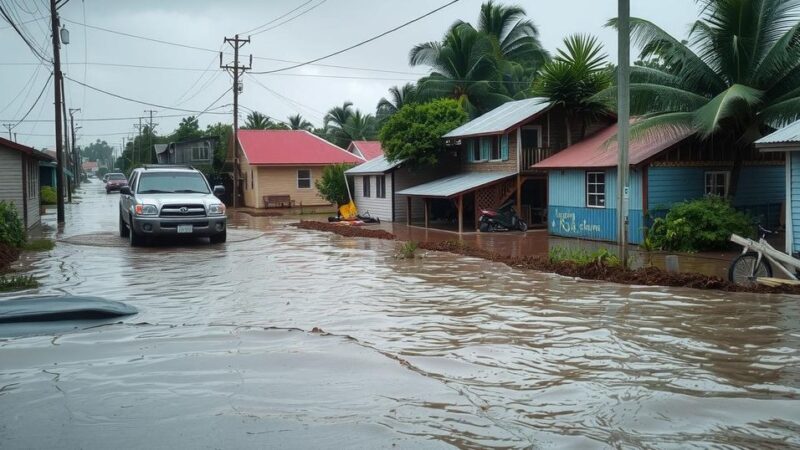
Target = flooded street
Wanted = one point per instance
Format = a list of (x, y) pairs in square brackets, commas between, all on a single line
[(433, 352)]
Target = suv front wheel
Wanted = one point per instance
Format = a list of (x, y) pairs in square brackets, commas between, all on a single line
[(134, 238), (219, 238), (123, 229)]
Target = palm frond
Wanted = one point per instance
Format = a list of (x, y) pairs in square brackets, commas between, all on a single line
[(735, 101)]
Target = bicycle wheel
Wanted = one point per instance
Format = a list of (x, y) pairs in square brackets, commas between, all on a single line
[(743, 270)]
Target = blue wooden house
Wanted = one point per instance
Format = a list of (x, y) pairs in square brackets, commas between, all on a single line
[(786, 141), (581, 190)]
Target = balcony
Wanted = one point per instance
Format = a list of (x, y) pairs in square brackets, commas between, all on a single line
[(531, 156)]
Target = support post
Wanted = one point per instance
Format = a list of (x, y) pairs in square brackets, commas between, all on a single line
[(461, 214), (623, 121), (427, 209), (408, 211), (519, 194)]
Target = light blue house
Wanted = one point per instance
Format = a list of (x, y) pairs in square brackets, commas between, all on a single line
[(786, 141), (582, 199)]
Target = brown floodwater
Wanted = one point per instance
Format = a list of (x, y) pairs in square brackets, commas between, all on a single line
[(433, 352)]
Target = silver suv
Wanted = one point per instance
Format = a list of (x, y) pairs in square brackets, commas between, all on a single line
[(170, 201)]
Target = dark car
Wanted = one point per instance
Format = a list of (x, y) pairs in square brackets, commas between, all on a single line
[(115, 182)]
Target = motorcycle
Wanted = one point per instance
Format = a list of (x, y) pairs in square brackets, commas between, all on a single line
[(503, 219)]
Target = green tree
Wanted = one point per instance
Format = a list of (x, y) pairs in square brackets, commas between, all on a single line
[(361, 127), (399, 97), (297, 122), (332, 185), (256, 121), (98, 151), (736, 78), (515, 38), (188, 128), (574, 78), (335, 124), (415, 133)]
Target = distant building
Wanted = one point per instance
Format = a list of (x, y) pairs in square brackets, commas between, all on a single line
[(367, 150), (90, 167), (19, 179), (280, 167), (198, 151), (787, 141)]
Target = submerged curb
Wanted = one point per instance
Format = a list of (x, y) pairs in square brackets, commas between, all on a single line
[(646, 276)]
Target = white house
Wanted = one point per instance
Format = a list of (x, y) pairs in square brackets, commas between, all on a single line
[(787, 140), (19, 179)]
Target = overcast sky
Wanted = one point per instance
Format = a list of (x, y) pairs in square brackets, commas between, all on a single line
[(309, 90)]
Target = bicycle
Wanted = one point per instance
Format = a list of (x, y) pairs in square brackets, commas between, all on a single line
[(757, 260)]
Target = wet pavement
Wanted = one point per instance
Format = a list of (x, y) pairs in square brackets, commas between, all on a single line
[(433, 352)]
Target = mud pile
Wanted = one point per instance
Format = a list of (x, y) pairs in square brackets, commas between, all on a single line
[(646, 276)]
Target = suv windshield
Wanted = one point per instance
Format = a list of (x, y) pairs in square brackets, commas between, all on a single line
[(172, 182), (116, 176)]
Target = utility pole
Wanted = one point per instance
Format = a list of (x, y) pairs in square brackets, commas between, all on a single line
[(57, 89), (623, 125), (76, 164), (152, 131), (67, 152), (137, 143), (9, 127), (237, 70)]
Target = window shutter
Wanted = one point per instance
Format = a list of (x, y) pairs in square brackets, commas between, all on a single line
[(504, 147), (486, 148), (470, 150)]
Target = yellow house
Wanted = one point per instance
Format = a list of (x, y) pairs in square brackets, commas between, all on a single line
[(279, 167)]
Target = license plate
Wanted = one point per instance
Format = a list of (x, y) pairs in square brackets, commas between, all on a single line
[(184, 228)]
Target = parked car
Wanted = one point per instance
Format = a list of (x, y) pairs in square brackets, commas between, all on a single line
[(115, 181), (171, 201)]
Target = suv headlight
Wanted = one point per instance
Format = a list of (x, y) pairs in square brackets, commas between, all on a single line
[(216, 209), (146, 210)]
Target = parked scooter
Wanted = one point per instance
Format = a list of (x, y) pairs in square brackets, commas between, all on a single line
[(503, 219)]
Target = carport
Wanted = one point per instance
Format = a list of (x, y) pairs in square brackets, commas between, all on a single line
[(488, 188)]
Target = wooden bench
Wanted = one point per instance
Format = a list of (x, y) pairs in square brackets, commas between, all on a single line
[(278, 201)]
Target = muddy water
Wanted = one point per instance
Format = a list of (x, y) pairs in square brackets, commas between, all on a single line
[(434, 352)]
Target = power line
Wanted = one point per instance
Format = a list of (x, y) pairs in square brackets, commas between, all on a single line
[(276, 19), (121, 33), (112, 119), (339, 52), (46, 84), (291, 18), (33, 49), (131, 99)]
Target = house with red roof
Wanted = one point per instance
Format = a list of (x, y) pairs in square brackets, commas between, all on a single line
[(665, 168), (367, 150), (280, 167), (19, 179)]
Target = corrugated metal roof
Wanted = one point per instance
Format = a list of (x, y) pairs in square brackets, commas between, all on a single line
[(456, 184), (368, 149), (291, 147), (501, 118), (599, 151), (374, 166), (790, 134)]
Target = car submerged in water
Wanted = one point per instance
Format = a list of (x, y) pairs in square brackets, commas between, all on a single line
[(171, 201)]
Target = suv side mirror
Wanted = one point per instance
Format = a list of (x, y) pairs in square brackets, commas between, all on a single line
[(125, 190), (219, 190)]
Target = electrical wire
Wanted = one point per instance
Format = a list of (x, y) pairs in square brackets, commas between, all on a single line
[(275, 19), (112, 119), (291, 18), (39, 97), (121, 33), (27, 86), (33, 49), (366, 41)]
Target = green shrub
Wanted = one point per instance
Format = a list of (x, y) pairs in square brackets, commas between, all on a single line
[(332, 185), (583, 257), (16, 283), (12, 231), (48, 195), (699, 225), (406, 250), (39, 245)]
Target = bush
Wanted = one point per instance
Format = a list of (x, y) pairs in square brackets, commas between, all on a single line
[(48, 196), (12, 231), (39, 245), (583, 257), (699, 225), (16, 283), (406, 250), (332, 186)]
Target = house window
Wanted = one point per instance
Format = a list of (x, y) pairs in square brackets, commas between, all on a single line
[(33, 180), (717, 183), (596, 189), (473, 150), (380, 186), (304, 179), (366, 186), (200, 153)]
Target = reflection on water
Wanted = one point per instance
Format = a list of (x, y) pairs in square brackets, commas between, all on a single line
[(444, 350)]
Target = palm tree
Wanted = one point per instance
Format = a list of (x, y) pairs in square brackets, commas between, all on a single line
[(335, 121), (516, 39), (573, 80), (400, 96), (297, 122), (361, 127), (257, 121), (736, 78), (463, 68)]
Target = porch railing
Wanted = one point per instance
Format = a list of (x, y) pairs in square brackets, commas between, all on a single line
[(531, 156)]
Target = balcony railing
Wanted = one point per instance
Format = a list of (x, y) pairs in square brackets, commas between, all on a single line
[(531, 156)]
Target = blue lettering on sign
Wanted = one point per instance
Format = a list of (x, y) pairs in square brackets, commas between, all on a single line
[(566, 222)]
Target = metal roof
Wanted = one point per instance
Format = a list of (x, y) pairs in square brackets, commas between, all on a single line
[(789, 134), (160, 148), (602, 150), (501, 118), (378, 165), (456, 184)]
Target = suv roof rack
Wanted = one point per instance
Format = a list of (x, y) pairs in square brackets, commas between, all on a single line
[(168, 166)]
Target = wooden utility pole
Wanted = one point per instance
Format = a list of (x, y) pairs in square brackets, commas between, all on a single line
[(236, 71), (76, 160), (57, 78), (67, 152), (623, 125), (152, 132)]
